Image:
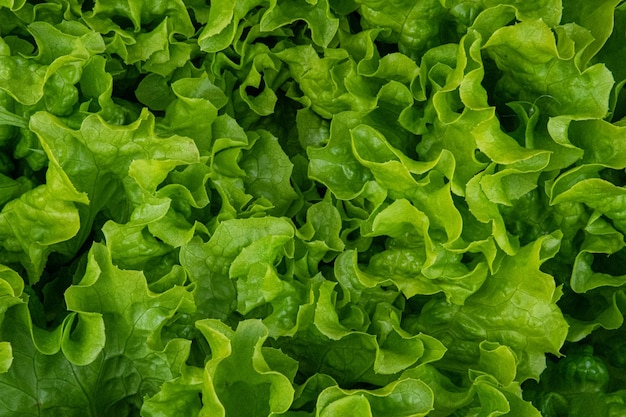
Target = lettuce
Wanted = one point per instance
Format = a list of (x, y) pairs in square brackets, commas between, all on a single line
[(312, 208)]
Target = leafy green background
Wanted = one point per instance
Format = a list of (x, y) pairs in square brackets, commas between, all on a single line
[(312, 208)]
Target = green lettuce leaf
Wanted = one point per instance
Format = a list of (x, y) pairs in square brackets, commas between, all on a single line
[(414, 26), (355, 343), (402, 398), (518, 296), (316, 14), (555, 82), (116, 338), (241, 367), (312, 208)]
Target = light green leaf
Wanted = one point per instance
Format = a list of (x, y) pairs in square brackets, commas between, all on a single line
[(598, 20), (86, 376), (316, 14), (414, 26), (539, 65), (6, 356), (518, 296), (267, 173), (208, 264), (239, 369), (406, 398), (224, 18)]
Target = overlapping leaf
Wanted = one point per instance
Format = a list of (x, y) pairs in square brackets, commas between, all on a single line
[(310, 208)]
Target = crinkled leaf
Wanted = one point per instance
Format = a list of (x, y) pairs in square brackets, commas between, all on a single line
[(407, 397), (239, 368), (518, 296), (86, 377), (316, 14), (538, 64)]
